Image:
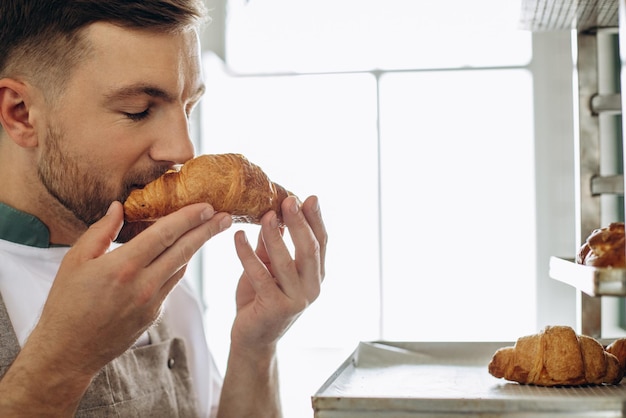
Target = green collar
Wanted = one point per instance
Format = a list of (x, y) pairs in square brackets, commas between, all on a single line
[(22, 228)]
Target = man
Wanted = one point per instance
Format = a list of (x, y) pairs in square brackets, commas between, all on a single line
[(95, 98)]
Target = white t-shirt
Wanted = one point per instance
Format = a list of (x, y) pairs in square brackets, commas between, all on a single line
[(27, 273)]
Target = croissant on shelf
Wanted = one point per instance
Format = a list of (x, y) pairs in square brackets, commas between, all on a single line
[(229, 182), (556, 356), (605, 247)]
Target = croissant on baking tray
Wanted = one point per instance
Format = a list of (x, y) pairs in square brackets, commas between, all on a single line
[(556, 356), (229, 182), (618, 349)]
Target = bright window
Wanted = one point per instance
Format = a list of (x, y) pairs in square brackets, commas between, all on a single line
[(315, 134), (412, 121), (347, 35), (457, 194)]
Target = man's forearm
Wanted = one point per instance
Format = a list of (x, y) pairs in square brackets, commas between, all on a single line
[(251, 387), (30, 387)]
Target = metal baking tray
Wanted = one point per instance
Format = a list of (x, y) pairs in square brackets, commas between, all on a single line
[(594, 281), (448, 379)]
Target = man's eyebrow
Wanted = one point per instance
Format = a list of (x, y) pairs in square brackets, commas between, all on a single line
[(148, 90), (138, 90)]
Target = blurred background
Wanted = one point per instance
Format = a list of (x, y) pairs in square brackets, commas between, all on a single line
[(438, 136)]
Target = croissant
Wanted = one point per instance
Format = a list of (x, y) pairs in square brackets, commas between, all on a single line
[(229, 182), (557, 356), (618, 349), (605, 247)]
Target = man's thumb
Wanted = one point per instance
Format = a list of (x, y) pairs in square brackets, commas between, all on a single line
[(97, 239)]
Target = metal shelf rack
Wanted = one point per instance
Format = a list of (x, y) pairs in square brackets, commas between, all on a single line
[(592, 22)]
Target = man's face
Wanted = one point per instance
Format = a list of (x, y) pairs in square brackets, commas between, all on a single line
[(123, 119)]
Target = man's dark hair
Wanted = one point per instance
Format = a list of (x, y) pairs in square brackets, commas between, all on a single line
[(42, 40)]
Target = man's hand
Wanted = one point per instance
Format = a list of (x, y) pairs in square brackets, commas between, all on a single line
[(99, 304), (273, 291), (276, 288)]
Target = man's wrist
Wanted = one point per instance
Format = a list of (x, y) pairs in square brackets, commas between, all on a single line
[(33, 386)]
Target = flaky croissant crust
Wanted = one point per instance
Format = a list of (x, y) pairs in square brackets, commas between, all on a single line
[(229, 182), (605, 247), (557, 356)]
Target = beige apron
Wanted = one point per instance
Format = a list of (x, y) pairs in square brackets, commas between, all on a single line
[(150, 381)]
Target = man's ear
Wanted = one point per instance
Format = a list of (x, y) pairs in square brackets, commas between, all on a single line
[(14, 112)]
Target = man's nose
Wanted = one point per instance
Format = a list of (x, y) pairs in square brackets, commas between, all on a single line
[(174, 142)]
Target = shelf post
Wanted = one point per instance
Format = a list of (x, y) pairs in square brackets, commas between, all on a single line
[(587, 149)]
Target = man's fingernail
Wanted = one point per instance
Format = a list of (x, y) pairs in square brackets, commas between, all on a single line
[(316, 206), (110, 209), (274, 221), (226, 222), (207, 214), (295, 206)]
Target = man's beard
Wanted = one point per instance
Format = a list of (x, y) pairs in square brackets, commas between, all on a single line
[(82, 189)]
